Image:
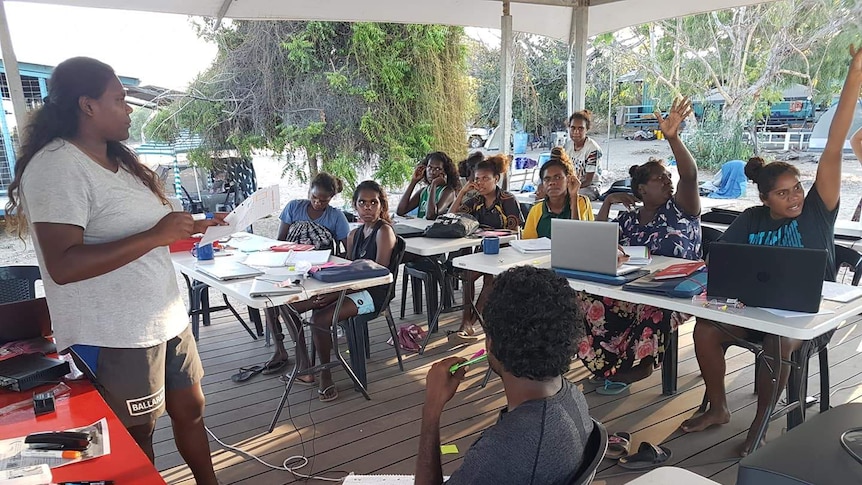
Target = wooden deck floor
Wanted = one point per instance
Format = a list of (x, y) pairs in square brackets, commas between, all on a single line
[(381, 435)]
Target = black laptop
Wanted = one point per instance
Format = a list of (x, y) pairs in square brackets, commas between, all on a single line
[(767, 276), (24, 320), (405, 231)]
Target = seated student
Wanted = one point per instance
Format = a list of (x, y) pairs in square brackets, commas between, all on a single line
[(494, 208), (374, 240), (541, 435), (307, 221), (620, 333), (560, 182), (438, 171), (787, 218)]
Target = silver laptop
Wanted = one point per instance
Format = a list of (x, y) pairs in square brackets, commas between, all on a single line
[(269, 287), (587, 246), (227, 270)]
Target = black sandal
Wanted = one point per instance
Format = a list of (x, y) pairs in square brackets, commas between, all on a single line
[(275, 367), (246, 373), (649, 456)]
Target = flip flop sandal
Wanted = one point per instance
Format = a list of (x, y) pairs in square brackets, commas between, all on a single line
[(461, 337), (322, 394), (649, 456), (618, 445), (612, 388), (246, 373), (274, 367), (297, 381)]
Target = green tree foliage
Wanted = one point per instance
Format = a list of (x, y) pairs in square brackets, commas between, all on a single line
[(329, 96), (746, 56)]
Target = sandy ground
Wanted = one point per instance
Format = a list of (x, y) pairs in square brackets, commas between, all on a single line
[(619, 156)]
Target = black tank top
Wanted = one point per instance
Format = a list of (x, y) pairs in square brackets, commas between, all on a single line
[(366, 248)]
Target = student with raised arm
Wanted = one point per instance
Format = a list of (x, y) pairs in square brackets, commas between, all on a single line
[(787, 217), (856, 145), (619, 334)]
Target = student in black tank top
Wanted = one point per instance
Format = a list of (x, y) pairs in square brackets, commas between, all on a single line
[(374, 240)]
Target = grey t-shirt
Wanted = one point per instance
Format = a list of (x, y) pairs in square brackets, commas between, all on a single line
[(539, 442), (135, 306), (814, 228)]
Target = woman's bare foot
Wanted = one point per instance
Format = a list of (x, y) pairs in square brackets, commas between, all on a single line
[(467, 328), (743, 449), (712, 417), (327, 389), (749, 438)]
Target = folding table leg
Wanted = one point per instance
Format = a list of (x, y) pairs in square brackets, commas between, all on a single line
[(669, 364)]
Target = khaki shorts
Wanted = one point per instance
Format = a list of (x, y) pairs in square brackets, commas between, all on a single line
[(133, 381)]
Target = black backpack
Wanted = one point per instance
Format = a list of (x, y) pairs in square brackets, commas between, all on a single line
[(307, 232), (452, 226)]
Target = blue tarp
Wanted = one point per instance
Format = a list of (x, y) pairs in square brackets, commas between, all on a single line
[(733, 181)]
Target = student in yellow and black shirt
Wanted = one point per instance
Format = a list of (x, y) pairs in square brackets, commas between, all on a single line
[(494, 208), (560, 182)]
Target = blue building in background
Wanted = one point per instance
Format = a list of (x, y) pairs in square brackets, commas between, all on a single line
[(34, 78)]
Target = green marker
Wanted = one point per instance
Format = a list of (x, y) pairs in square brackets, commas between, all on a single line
[(480, 356)]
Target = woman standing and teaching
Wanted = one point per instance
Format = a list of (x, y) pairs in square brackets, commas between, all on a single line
[(101, 226)]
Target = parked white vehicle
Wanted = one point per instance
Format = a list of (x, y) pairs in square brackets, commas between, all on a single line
[(476, 137)]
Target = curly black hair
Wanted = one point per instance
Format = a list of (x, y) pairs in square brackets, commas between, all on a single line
[(452, 180), (538, 344)]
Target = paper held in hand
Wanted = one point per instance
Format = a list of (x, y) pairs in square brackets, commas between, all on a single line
[(257, 206)]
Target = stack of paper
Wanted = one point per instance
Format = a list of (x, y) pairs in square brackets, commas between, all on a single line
[(527, 246), (638, 255)]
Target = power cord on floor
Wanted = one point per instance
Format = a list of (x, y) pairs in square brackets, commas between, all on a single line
[(285, 466)]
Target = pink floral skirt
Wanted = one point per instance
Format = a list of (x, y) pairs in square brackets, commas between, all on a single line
[(619, 334)]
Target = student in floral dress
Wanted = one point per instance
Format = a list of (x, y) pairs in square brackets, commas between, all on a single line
[(619, 333)]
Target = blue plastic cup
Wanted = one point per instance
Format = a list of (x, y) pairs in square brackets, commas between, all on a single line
[(203, 253), (491, 245)]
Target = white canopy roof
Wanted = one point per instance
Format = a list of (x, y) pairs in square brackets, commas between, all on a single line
[(551, 18)]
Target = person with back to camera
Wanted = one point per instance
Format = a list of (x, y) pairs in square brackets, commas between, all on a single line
[(306, 221), (494, 208), (562, 200), (620, 333), (585, 153), (787, 218), (438, 171), (101, 226), (541, 435)]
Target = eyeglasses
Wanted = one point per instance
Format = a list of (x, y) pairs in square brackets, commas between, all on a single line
[(368, 203), (785, 194), (661, 177), (553, 178)]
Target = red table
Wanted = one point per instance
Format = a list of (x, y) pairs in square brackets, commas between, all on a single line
[(126, 464)]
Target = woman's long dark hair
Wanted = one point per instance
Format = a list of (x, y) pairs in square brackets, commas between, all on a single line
[(58, 118), (452, 180)]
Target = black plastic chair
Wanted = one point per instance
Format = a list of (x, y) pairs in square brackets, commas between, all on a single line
[(594, 453), (18, 283), (709, 236), (850, 258)]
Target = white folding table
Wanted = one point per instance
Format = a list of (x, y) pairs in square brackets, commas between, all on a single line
[(239, 289), (806, 327), (669, 475)]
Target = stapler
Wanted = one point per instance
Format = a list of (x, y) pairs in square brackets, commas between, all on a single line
[(59, 440)]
